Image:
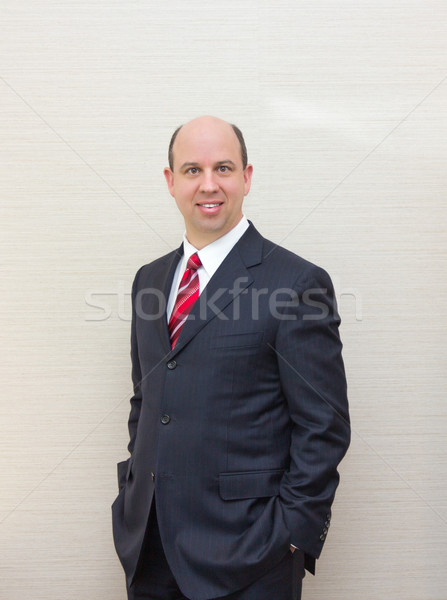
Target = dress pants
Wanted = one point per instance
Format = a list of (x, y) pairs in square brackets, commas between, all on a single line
[(155, 581)]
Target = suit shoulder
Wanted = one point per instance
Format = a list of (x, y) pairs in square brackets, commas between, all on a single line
[(287, 261), (147, 270), (158, 262)]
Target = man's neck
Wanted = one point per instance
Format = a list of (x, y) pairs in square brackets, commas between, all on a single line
[(200, 241)]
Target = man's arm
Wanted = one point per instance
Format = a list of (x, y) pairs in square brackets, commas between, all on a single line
[(135, 401), (313, 380)]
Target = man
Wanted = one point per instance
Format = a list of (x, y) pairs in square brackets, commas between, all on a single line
[(239, 416)]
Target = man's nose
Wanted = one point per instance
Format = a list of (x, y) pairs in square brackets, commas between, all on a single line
[(208, 182)]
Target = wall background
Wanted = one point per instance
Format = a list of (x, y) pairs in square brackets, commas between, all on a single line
[(343, 105)]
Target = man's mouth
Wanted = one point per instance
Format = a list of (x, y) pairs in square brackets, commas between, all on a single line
[(209, 208)]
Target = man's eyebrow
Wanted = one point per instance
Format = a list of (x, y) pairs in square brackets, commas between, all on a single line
[(219, 163), (189, 164), (226, 162)]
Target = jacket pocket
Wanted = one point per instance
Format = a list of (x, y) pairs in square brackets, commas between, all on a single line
[(124, 467), (250, 484), (238, 340)]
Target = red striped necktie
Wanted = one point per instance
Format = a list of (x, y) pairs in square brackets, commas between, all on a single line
[(187, 294)]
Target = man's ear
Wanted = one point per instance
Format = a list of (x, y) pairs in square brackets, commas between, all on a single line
[(169, 176), (248, 172)]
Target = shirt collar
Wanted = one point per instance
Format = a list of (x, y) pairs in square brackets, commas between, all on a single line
[(213, 254)]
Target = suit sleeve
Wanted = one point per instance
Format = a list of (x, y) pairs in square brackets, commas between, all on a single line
[(135, 401), (312, 377)]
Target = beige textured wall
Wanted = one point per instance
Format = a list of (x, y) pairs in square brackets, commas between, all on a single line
[(343, 105)]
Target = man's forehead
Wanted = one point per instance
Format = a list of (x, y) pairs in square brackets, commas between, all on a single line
[(207, 140)]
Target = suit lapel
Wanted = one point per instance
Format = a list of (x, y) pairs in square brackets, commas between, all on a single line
[(230, 280), (163, 281)]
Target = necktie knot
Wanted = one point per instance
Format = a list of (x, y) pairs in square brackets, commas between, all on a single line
[(194, 262)]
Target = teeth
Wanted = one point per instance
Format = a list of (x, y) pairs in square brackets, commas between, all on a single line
[(211, 205)]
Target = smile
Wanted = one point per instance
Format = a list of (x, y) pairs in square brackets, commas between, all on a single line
[(211, 205)]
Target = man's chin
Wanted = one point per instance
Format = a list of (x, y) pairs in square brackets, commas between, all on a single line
[(205, 233)]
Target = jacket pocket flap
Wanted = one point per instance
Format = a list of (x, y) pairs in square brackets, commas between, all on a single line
[(237, 340), (250, 484)]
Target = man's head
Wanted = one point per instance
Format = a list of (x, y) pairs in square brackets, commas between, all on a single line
[(208, 177)]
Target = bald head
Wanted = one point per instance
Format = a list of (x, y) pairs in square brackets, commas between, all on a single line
[(210, 124)]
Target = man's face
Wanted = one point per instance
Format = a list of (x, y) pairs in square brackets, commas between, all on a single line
[(208, 181)]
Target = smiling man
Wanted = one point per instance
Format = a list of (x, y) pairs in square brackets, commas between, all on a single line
[(239, 416)]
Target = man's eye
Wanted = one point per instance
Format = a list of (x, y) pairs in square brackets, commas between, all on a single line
[(223, 169), (193, 170)]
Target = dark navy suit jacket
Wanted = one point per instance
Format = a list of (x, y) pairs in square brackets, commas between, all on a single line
[(238, 431)]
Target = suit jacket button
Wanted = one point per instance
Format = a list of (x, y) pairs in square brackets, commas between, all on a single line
[(165, 419), (326, 524), (325, 531), (153, 476), (171, 364), (322, 537)]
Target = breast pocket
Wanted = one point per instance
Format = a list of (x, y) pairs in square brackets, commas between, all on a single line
[(237, 340)]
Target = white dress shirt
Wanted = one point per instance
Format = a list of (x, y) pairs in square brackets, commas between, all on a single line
[(211, 257)]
